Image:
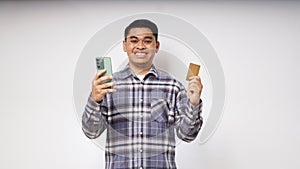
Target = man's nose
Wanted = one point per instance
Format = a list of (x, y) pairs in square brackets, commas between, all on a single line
[(140, 45)]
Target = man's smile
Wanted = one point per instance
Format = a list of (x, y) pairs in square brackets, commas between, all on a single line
[(141, 54)]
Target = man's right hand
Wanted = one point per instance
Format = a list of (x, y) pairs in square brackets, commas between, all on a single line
[(98, 89)]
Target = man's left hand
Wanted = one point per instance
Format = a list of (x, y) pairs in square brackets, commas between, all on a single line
[(194, 89)]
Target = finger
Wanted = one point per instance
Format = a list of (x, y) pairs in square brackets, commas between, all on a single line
[(99, 93), (106, 91), (107, 85), (111, 90), (195, 84), (193, 88), (102, 79), (194, 81), (99, 74), (197, 78), (100, 88)]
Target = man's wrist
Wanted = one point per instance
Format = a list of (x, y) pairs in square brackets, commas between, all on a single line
[(196, 108), (94, 104)]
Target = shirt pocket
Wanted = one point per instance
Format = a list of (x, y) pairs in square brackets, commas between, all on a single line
[(159, 110)]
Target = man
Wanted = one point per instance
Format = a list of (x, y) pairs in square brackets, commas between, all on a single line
[(142, 107)]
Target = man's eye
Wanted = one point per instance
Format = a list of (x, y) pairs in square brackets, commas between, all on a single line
[(147, 41), (133, 41)]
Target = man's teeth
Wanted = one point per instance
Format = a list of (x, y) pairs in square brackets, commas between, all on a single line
[(140, 54)]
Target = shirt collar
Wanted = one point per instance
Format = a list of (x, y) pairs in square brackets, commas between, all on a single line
[(126, 72)]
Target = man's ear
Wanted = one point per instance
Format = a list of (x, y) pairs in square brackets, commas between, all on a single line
[(124, 46), (157, 46)]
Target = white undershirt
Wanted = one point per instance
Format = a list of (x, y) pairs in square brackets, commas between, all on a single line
[(141, 77)]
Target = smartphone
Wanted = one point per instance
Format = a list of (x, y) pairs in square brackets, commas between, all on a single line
[(104, 63)]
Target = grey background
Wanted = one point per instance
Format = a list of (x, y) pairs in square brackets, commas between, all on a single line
[(256, 42)]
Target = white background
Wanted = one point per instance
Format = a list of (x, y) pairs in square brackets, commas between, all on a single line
[(257, 44)]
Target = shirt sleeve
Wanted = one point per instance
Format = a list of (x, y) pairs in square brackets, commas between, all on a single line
[(188, 117), (93, 122)]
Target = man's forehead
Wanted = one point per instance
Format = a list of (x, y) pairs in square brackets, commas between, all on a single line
[(140, 33), (140, 36)]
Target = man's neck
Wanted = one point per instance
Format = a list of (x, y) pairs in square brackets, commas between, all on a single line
[(140, 70)]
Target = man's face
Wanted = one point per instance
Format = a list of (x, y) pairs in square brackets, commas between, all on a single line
[(141, 47)]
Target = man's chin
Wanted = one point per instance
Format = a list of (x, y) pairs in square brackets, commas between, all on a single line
[(142, 64), (141, 56)]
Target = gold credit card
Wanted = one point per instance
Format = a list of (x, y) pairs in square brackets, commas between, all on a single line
[(193, 70)]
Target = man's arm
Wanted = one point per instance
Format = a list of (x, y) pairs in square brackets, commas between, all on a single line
[(93, 121), (189, 108), (188, 118)]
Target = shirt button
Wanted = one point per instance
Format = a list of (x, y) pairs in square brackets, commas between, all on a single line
[(141, 115), (141, 100), (141, 150), (141, 133), (141, 167)]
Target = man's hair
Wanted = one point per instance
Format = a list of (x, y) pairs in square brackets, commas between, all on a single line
[(142, 23)]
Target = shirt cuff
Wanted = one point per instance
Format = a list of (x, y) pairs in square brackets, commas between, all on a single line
[(93, 104), (197, 109)]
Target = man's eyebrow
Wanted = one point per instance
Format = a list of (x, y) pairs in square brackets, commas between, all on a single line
[(135, 37), (148, 37)]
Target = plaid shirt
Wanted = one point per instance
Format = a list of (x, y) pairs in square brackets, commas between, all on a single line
[(141, 119)]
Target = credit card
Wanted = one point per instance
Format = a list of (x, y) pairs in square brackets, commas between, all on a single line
[(193, 70)]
